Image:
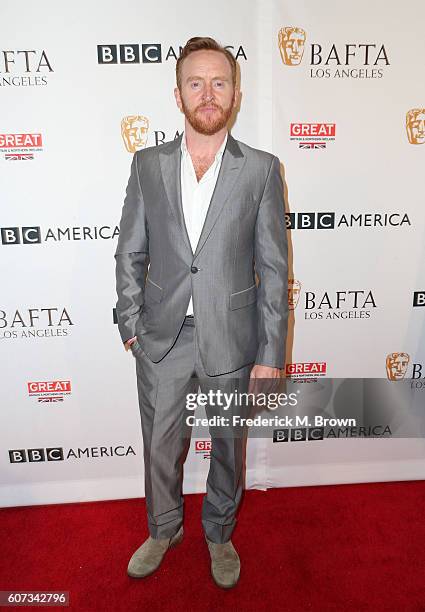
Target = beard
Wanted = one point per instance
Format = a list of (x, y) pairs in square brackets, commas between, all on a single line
[(207, 125)]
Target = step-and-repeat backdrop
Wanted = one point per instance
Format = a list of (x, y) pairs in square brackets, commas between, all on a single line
[(337, 92)]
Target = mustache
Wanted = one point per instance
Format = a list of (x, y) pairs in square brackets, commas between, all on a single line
[(209, 104)]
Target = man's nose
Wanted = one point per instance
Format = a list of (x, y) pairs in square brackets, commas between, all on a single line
[(208, 93)]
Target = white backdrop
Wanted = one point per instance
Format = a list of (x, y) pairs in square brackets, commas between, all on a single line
[(58, 340)]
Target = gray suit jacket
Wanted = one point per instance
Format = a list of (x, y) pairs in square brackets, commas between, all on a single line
[(237, 323)]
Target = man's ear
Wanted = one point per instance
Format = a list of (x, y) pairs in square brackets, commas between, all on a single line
[(178, 98), (236, 97)]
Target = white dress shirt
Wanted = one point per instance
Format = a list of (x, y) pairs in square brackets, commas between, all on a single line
[(196, 197)]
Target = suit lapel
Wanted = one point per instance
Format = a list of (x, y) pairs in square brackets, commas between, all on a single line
[(170, 162), (231, 165)]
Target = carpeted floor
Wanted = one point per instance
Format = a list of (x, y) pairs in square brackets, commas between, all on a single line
[(343, 548)]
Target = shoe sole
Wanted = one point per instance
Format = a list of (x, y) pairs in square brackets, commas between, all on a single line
[(224, 586), (173, 544)]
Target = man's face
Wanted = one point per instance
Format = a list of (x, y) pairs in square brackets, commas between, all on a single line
[(206, 95), (134, 132), (294, 290), (416, 128), (137, 133), (397, 365), (291, 46)]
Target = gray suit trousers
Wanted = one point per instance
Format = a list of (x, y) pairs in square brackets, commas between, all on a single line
[(162, 389)]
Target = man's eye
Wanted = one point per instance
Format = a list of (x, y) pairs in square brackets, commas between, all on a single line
[(195, 84), (219, 84)]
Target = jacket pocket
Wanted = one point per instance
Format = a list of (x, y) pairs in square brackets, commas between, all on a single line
[(136, 348), (243, 298), (153, 292)]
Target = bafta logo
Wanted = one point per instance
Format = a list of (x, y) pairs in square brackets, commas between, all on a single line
[(396, 364), (291, 43), (134, 132), (415, 125), (294, 290)]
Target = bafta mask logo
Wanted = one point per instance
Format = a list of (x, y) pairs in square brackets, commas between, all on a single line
[(415, 125), (396, 364), (134, 132), (294, 291), (291, 43)]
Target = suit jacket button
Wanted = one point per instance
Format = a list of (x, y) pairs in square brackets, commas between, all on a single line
[(194, 269)]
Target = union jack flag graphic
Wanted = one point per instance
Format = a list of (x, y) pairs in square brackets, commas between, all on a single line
[(205, 454), (312, 145), (19, 156), (54, 398)]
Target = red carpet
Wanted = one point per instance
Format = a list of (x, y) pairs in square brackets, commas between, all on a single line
[(342, 548)]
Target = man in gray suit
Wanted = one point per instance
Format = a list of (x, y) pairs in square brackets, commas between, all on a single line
[(202, 216)]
